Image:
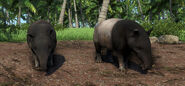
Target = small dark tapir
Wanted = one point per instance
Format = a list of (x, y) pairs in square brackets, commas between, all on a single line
[(41, 39)]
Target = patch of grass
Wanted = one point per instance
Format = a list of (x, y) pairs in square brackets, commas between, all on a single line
[(75, 34), (13, 36), (62, 34)]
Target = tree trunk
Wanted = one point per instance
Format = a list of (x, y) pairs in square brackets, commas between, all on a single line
[(141, 12), (61, 18), (70, 18), (171, 14), (76, 16), (19, 17), (103, 13), (82, 16), (7, 16), (69, 14)]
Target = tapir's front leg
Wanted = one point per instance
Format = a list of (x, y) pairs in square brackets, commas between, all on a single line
[(36, 62), (120, 60)]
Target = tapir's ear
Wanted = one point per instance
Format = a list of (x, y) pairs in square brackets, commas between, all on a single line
[(29, 38), (149, 31), (30, 35), (136, 31), (52, 34)]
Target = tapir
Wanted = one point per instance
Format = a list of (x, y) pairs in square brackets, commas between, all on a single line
[(41, 39), (123, 38)]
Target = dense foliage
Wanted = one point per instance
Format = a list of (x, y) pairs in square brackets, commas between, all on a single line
[(165, 16), (160, 28)]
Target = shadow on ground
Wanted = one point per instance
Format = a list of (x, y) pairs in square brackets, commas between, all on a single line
[(131, 65), (58, 61)]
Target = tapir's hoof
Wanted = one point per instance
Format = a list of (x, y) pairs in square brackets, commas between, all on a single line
[(36, 68), (122, 69), (98, 59)]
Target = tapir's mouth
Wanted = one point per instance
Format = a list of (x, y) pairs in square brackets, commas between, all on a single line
[(42, 65)]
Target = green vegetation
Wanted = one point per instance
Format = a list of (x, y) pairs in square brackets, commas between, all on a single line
[(161, 27), (63, 34), (166, 27), (165, 16), (75, 34), (14, 36)]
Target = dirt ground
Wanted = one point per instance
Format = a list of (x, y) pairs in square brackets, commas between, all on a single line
[(80, 69)]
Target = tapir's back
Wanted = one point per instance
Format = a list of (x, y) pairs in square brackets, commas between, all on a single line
[(103, 30)]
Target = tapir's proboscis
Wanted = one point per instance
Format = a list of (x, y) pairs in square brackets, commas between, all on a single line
[(123, 38), (41, 39)]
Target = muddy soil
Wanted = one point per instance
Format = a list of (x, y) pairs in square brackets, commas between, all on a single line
[(80, 69)]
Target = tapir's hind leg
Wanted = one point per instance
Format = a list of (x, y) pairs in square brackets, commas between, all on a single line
[(98, 57)]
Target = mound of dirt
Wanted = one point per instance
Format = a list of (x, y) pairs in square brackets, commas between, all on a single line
[(80, 69)]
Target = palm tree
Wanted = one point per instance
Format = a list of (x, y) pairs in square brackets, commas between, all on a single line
[(81, 14), (19, 16), (170, 6), (20, 4), (103, 12), (69, 14), (76, 16), (61, 18)]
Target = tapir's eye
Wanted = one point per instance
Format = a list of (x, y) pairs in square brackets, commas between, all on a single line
[(51, 32), (30, 35), (49, 47)]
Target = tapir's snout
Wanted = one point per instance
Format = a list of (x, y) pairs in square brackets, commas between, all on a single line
[(43, 60)]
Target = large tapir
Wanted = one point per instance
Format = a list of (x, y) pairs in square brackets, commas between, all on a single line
[(123, 38), (41, 39)]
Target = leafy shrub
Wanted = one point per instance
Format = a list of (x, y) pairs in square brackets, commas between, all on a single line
[(24, 26), (166, 27), (58, 27)]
